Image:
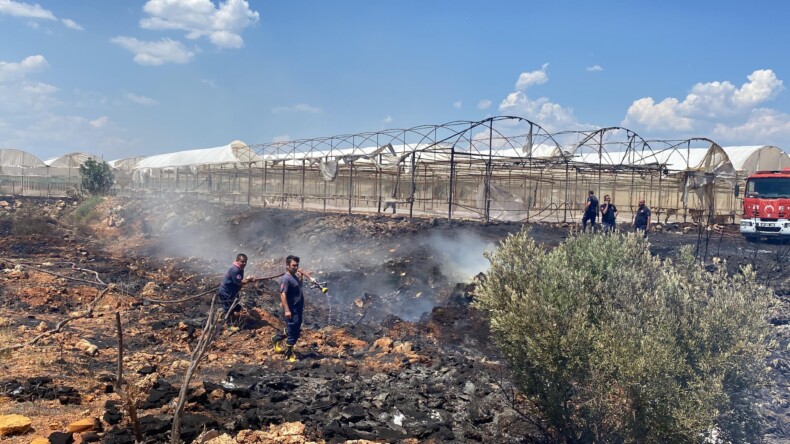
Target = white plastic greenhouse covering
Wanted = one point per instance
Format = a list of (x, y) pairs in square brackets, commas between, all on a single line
[(726, 161), (127, 164), (21, 163), (68, 165), (236, 153), (748, 159)]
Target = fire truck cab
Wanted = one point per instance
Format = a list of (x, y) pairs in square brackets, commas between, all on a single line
[(766, 205)]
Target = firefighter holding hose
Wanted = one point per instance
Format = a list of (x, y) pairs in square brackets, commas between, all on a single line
[(292, 301)]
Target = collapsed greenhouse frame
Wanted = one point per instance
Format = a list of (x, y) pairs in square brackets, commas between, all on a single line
[(502, 168)]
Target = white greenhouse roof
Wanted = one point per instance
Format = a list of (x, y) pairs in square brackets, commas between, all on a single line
[(19, 158), (236, 152), (748, 159), (70, 160), (127, 164)]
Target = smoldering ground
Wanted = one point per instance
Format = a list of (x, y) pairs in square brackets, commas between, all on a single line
[(375, 266)]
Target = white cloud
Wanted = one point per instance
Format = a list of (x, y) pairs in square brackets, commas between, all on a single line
[(594, 68), (100, 122), (483, 104), (762, 85), (457, 104), (34, 12), (25, 10), (299, 108), (282, 138), (764, 126), (72, 24), (10, 71), (549, 115), (140, 100), (717, 107), (222, 24), (155, 53), (387, 120), (657, 117), (527, 79), (208, 82)]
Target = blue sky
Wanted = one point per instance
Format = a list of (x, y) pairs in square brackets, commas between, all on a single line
[(126, 78)]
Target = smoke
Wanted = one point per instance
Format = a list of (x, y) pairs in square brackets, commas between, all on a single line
[(461, 254), (370, 277)]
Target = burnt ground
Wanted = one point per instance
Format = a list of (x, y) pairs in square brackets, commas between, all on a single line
[(392, 353)]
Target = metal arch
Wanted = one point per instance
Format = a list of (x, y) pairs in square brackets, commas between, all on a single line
[(633, 139)]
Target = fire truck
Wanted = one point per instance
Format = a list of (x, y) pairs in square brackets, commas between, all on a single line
[(766, 206)]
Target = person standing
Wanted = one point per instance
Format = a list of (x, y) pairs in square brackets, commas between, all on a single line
[(292, 301), (232, 282), (590, 212), (642, 218), (608, 215)]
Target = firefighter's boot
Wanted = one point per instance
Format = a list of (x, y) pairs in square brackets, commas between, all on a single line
[(290, 354), (277, 343)]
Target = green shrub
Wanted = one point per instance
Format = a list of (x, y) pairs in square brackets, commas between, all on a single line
[(86, 211), (615, 345), (97, 177)]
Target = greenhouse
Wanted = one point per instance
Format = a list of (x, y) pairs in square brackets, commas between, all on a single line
[(501, 168)]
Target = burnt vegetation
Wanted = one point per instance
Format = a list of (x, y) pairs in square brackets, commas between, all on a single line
[(398, 350)]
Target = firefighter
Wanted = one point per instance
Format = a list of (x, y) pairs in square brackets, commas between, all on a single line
[(608, 215), (292, 301), (590, 212), (642, 218), (232, 282)]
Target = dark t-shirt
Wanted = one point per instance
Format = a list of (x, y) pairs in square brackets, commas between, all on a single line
[(231, 282), (642, 215), (608, 215), (292, 288), (593, 207)]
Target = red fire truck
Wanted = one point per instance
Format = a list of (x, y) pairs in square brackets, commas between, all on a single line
[(766, 205)]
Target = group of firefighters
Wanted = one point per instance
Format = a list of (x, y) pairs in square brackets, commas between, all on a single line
[(291, 299), (641, 222)]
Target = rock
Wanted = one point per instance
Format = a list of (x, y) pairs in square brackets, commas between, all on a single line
[(119, 222), (90, 437), (383, 344), (216, 395), (87, 347), (13, 424), (61, 438), (3, 204), (147, 370), (179, 363), (150, 289), (222, 439), (83, 425), (403, 347), (469, 388), (292, 429)]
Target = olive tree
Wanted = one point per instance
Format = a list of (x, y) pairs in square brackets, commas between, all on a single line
[(97, 177), (612, 344)]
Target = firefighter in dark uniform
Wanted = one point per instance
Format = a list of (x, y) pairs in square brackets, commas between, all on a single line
[(642, 218), (232, 282), (608, 215), (590, 212)]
